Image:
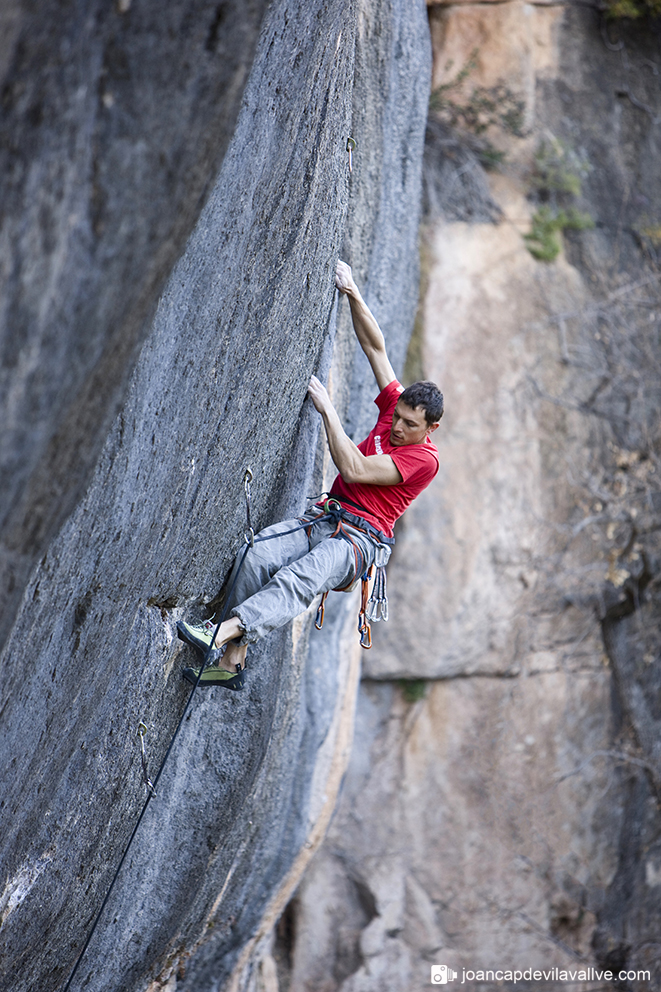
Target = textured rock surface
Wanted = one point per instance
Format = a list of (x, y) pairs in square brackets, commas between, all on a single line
[(115, 119), (509, 816), (246, 316)]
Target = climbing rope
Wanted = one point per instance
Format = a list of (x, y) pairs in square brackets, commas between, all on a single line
[(330, 513)]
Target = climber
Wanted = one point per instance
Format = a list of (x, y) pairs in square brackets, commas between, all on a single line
[(283, 572)]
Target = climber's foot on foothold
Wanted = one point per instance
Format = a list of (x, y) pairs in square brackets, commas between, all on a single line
[(198, 635), (216, 676)]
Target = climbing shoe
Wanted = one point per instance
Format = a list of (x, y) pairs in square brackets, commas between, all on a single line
[(216, 676), (198, 635)]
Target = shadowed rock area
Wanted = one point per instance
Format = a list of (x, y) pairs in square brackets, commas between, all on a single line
[(145, 533)]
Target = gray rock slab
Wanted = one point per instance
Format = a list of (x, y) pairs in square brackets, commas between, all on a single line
[(248, 313), (115, 120)]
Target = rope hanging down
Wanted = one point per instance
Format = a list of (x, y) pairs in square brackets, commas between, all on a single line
[(249, 542)]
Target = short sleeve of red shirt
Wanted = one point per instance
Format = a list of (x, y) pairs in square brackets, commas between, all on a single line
[(415, 466), (387, 398)]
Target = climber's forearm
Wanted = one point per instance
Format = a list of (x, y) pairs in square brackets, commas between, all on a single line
[(369, 334), (352, 464), (344, 452)]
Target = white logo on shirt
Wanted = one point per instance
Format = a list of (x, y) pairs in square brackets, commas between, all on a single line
[(377, 444)]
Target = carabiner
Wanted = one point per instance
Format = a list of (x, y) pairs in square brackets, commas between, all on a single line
[(365, 631)]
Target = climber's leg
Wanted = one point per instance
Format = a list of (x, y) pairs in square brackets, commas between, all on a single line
[(252, 570), (265, 557), (275, 581), (234, 655), (330, 564)]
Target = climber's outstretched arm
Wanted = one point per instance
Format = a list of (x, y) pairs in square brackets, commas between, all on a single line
[(367, 330), (352, 464)]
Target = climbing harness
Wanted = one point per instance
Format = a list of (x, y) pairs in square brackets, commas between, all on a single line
[(332, 511), (376, 607)]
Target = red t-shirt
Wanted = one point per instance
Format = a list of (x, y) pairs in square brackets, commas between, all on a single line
[(417, 465)]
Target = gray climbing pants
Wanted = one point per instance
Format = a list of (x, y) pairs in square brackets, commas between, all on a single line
[(281, 577)]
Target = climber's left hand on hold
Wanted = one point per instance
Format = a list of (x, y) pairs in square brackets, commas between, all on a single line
[(318, 394)]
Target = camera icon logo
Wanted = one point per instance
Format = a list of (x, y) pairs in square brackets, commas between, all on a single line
[(441, 974)]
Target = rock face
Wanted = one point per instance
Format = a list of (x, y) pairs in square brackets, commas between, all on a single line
[(114, 122), (500, 808), (143, 534)]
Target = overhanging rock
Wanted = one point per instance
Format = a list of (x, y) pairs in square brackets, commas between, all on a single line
[(115, 120), (247, 315)]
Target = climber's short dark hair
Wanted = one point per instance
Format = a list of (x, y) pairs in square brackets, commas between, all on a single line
[(428, 396)]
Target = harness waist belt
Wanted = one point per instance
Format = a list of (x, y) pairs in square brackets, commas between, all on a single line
[(352, 518)]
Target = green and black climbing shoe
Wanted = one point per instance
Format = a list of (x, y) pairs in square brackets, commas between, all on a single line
[(216, 676), (198, 635)]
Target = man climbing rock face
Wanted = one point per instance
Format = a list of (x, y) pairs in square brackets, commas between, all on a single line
[(290, 564)]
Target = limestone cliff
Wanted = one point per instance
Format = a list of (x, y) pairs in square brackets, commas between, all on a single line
[(179, 195), (115, 120), (501, 805)]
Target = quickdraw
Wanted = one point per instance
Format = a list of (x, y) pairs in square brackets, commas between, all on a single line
[(364, 628), (249, 532), (142, 730), (321, 610), (377, 605)]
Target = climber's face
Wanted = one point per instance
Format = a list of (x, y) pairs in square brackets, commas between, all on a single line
[(409, 425)]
